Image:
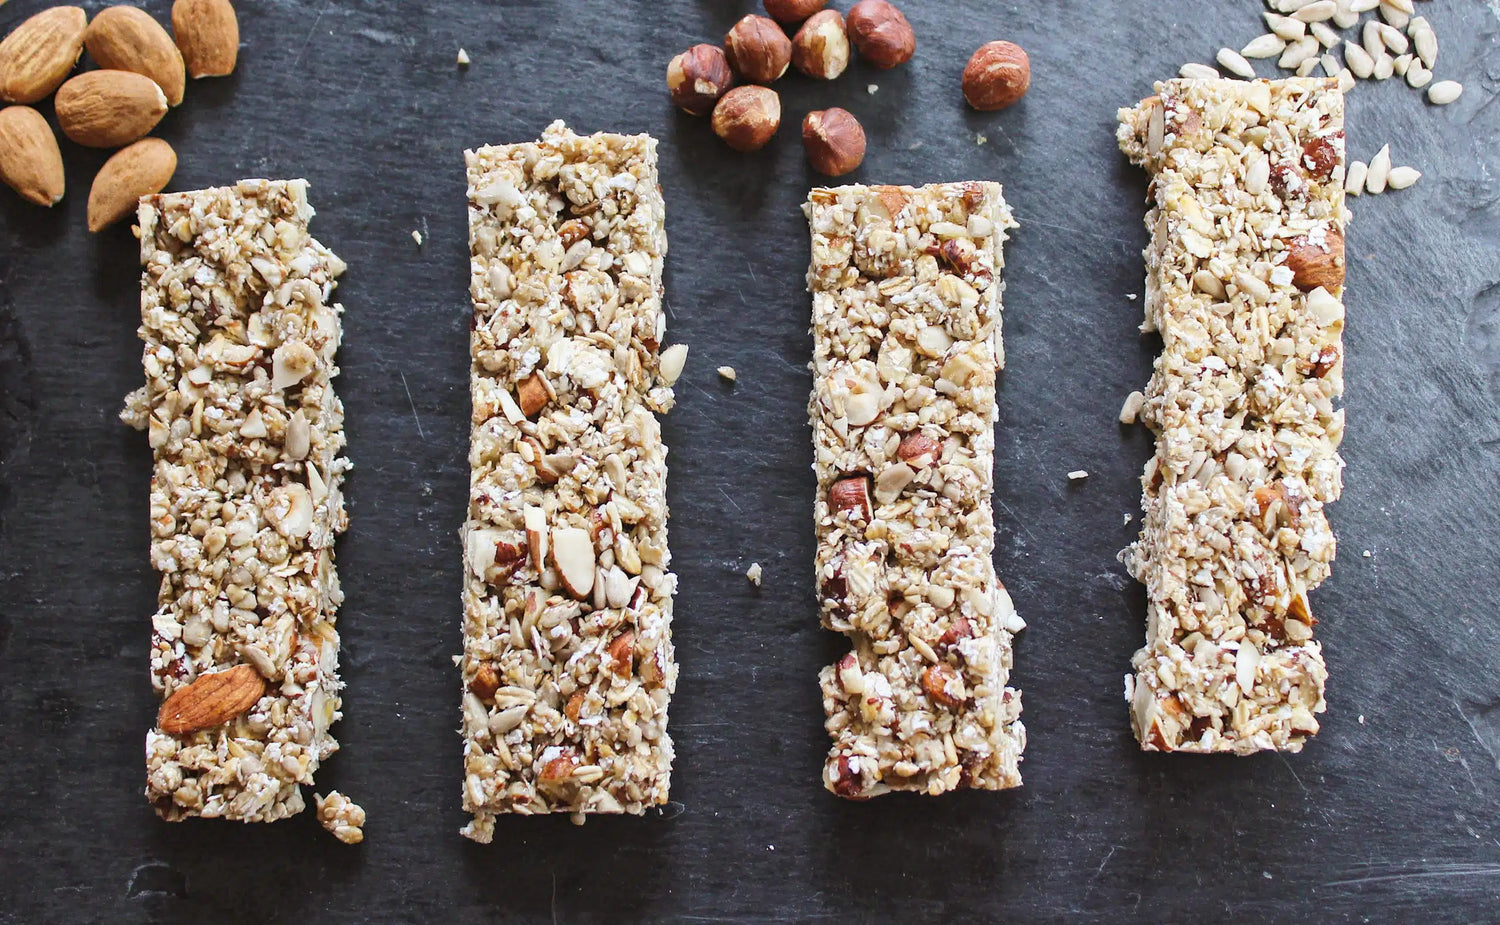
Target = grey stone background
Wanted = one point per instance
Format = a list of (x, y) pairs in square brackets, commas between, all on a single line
[(1393, 819)]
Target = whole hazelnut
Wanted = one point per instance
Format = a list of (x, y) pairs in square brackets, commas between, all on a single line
[(747, 117), (698, 77), (834, 140), (821, 47), (793, 11), (758, 50), (997, 76), (882, 35)]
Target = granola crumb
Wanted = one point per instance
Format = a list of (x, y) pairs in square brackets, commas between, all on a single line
[(463, 58), (1128, 518), (1131, 296), (1131, 409), (341, 816), (981, 138), (753, 573), (872, 88), (1078, 474), (417, 236), (1366, 554), (728, 373), (1361, 719)]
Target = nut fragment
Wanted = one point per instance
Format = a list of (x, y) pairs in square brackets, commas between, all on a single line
[(757, 49), (1318, 265), (997, 75), (881, 33), (622, 653), (129, 39), (821, 47), (943, 684), (747, 117), (851, 493), (793, 11), (30, 162), (698, 77), (39, 53), (573, 554), (486, 682), (918, 450), (108, 108), (834, 140), (532, 394), (132, 172), (208, 35), (211, 700)]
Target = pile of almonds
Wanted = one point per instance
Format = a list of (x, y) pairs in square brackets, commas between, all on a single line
[(142, 72), (758, 51)]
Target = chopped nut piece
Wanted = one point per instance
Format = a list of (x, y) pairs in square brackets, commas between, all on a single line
[(1078, 474), (753, 573), (532, 394), (727, 372), (463, 58), (341, 816)]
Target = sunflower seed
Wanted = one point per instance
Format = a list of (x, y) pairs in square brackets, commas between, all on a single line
[(1362, 6), (1233, 62), (1380, 170), (1385, 66), (1194, 71), (1298, 52), (1444, 92), (1354, 181), (1345, 17), (1372, 40), (1358, 60), (1264, 46), (1330, 65), (1346, 80), (1394, 39), (1316, 11), (1425, 41), (1306, 68), (1402, 177), (1418, 76), (1285, 27), (1325, 34), (1403, 63), (1393, 14)]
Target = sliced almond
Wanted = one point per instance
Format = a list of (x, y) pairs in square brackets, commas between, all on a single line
[(127, 38), (536, 534), (291, 363), (132, 172), (671, 363), (208, 35), (39, 53), (30, 162), (573, 554), (108, 108), (211, 700)]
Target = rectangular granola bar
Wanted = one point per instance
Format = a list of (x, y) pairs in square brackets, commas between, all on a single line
[(1245, 275), (568, 663), (906, 287), (246, 499)]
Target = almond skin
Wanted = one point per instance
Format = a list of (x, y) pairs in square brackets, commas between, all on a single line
[(208, 34), (134, 171), (30, 162), (39, 53), (1314, 265), (212, 700), (125, 38), (108, 109)]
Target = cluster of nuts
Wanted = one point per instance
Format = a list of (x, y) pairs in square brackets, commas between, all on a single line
[(758, 52), (141, 72)]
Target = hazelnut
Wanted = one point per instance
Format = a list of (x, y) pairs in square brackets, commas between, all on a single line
[(747, 117), (821, 47), (698, 77), (793, 11), (758, 50), (997, 75), (881, 33), (834, 140)]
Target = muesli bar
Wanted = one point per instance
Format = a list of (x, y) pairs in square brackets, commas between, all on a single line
[(568, 663), (246, 500), (1245, 275), (906, 287)]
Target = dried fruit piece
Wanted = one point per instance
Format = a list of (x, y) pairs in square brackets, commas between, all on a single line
[(38, 54), (30, 162), (126, 38), (211, 700), (134, 171), (208, 35), (108, 108)]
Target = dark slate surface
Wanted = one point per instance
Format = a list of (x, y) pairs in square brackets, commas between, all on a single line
[(1394, 818)]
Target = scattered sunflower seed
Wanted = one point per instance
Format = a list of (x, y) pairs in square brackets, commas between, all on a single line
[(1354, 180), (1077, 474), (1444, 92), (463, 58), (1316, 11), (1380, 170), (1264, 46), (1385, 66), (1298, 52), (1325, 35), (1194, 71), (1131, 410), (1425, 41), (1394, 39), (872, 88), (1358, 60), (1418, 76), (1393, 12), (1402, 177), (728, 373), (1403, 64), (753, 573), (1235, 63), (417, 236), (1285, 27)]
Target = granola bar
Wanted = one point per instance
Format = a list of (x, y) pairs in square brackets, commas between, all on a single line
[(568, 663), (906, 287), (1245, 275), (246, 498)]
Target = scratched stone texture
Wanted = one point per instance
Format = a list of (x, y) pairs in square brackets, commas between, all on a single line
[(1391, 815)]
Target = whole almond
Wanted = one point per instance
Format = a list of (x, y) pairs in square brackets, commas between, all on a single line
[(212, 700), (134, 171), (208, 33), (30, 163), (126, 38), (107, 109), (37, 56)]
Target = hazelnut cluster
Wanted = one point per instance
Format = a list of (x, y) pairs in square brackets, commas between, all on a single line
[(758, 50), (817, 41)]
